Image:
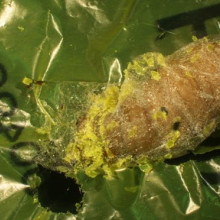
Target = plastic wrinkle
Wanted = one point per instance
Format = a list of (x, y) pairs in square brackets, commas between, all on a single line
[(192, 204), (55, 45), (9, 187), (72, 54), (115, 73)]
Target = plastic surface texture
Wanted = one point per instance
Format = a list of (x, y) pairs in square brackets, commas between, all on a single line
[(47, 48)]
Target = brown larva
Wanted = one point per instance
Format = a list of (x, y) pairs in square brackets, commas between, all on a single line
[(164, 108), (174, 112)]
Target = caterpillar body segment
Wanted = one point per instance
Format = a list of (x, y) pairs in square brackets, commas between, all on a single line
[(176, 111), (165, 107)]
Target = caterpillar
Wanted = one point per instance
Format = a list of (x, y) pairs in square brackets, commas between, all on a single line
[(165, 108)]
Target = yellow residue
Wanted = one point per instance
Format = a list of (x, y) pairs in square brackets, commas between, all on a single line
[(126, 90), (161, 60), (189, 74), (189, 49), (168, 156), (113, 124), (210, 47), (135, 67), (194, 38), (93, 169), (21, 28), (144, 164), (87, 152), (209, 128), (150, 61), (122, 162), (177, 119), (194, 58), (146, 65), (206, 39), (27, 81), (172, 138), (109, 172), (138, 68), (160, 115), (132, 132), (154, 59), (155, 75), (109, 152)]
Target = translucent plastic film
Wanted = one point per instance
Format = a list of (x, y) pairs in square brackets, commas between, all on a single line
[(80, 83)]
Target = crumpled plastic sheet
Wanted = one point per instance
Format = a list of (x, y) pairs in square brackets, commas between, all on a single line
[(62, 42)]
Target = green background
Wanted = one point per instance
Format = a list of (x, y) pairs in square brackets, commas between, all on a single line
[(93, 41)]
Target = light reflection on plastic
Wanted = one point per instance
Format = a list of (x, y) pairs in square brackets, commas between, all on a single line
[(208, 184), (218, 23), (97, 13), (215, 165), (45, 41), (57, 48), (192, 206), (56, 27), (19, 118), (4, 107), (217, 170), (8, 188), (53, 55), (9, 12), (115, 215), (37, 57), (120, 170), (115, 74), (70, 218)]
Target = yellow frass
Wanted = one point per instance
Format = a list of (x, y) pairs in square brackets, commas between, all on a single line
[(89, 150)]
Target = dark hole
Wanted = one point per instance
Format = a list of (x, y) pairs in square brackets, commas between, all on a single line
[(211, 142), (212, 178), (3, 75), (176, 126), (163, 109), (57, 192), (191, 156)]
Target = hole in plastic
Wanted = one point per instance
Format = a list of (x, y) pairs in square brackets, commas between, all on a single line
[(55, 191)]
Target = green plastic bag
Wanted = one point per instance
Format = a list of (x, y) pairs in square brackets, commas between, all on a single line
[(67, 48)]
